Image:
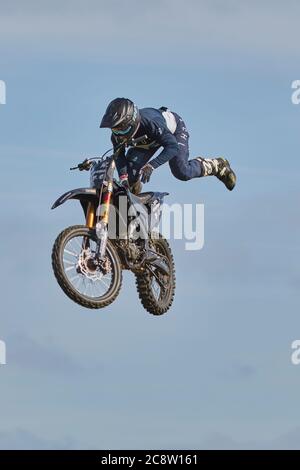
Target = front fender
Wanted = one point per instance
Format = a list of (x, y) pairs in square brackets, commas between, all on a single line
[(85, 195)]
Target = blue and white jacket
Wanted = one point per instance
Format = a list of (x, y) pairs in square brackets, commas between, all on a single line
[(160, 127)]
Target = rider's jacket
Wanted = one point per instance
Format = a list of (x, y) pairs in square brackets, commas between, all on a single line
[(159, 125)]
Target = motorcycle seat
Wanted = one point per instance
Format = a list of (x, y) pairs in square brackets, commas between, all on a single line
[(147, 197)]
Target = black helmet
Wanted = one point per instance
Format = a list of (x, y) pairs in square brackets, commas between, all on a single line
[(122, 117)]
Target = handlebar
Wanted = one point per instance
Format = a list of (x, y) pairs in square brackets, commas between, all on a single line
[(86, 164)]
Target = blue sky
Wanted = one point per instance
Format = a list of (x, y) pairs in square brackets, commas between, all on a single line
[(215, 371)]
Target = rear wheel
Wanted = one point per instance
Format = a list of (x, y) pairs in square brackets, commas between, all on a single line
[(156, 289), (81, 276)]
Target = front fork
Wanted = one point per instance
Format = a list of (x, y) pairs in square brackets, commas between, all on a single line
[(101, 225), (90, 216)]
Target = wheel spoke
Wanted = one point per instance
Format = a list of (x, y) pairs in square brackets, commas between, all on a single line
[(69, 268), (77, 241), (103, 282), (70, 252), (67, 261)]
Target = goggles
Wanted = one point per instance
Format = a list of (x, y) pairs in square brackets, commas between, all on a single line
[(121, 131)]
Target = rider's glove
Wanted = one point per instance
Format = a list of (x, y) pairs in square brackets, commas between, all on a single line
[(146, 172), (85, 165), (124, 181)]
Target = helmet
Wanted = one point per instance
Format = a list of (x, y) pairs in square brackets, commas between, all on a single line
[(122, 117)]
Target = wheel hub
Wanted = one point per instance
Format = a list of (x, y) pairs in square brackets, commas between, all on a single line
[(90, 267)]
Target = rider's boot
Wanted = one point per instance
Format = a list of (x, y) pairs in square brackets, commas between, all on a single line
[(220, 168)]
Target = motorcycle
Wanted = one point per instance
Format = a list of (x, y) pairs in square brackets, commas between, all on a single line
[(120, 233)]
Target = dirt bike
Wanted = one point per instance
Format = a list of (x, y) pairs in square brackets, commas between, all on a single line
[(88, 259)]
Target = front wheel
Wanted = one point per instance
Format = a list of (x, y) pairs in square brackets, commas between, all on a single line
[(87, 281), (156, 289)]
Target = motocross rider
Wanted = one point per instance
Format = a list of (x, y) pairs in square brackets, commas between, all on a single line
[(162, 128)]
